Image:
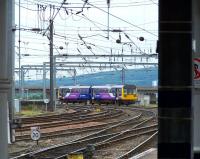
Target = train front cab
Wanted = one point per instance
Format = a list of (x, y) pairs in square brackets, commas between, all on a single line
[(62, 91), (125, 94), (129, 94)]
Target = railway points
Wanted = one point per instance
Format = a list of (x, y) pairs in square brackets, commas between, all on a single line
[(121, 128)]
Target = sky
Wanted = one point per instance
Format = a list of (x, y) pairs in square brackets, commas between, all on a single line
[(82, 28)]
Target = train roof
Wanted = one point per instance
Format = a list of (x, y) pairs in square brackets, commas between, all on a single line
[(71, 87), (129, 86), (117, 86), (125, 86), (105, 86)]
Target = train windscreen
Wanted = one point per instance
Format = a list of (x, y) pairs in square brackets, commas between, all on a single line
[(100, 90), (64, 91), (75, 90), (129, 91), (84, 90)]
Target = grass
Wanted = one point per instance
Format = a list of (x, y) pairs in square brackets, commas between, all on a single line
[(30, 110), (29, 113)]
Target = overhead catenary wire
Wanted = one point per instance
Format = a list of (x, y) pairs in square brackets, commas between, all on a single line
[(154, 2), (123, 20), (88, 36), (116, 17), (75, 42), (95, 2), (94, 22), (98, 3), (96, 47), (52, 19)]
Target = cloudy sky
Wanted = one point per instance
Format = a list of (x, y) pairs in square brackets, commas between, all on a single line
[(82, 28)]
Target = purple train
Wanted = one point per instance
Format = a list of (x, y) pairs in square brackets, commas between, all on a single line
[(107, 94), (75, 94), (102, 94)]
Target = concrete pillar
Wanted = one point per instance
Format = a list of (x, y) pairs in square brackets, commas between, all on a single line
[(196, 91), (11, 61), (4, 80), (175, 79)]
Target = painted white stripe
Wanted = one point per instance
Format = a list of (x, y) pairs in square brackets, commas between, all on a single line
[(143, 153)]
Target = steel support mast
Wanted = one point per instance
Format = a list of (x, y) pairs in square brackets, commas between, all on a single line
[(52, 101)]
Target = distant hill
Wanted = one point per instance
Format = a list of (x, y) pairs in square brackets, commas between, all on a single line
[(139, 77)]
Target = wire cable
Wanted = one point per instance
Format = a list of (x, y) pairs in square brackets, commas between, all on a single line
[(122, 19)]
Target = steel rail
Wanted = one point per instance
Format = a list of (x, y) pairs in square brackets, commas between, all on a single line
[(92, 117), (115, 138), (68, 132), (137, 148), (48, 118), (87, 138)]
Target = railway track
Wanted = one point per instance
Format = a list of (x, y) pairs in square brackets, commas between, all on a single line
[(55, 117), (76, 120), (85, 133), (77, 111), (139, 147), (66, 133), (106, 135), (119, 139)]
